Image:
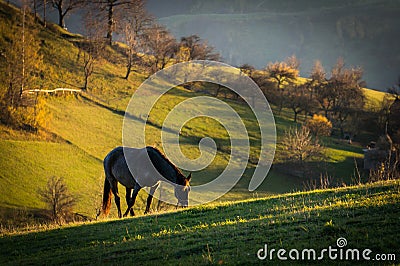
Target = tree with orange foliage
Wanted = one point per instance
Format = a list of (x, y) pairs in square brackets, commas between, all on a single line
[(319, 125)]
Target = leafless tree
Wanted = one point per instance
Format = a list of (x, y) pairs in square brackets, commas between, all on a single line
[(297, 99), (282, 72), (58, 199), (341, 96), (65, 7), (299, 146), (317, 78), (395, 90), (394, 123), (111, 12), (346, 85), (247, 69), (161, 47), (91, 48), (194, 48), (133, 26)]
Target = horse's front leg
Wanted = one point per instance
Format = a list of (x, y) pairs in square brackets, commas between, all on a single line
[(132, 200), (150, 197)]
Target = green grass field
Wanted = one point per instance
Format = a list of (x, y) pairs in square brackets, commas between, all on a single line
[(83, 129), (231, 233), (89, 131)]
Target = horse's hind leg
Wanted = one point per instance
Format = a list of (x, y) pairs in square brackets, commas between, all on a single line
[(128, 197), (150, 197), (132, 200), (114, 189)]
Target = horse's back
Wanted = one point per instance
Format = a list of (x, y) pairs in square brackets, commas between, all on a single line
[(115, 166), (141, 167)]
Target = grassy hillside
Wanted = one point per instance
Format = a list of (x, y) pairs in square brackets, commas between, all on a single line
[(366, 216), (81, 131), (83, 128)]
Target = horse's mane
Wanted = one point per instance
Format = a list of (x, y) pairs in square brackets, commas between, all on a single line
[(178, 171)]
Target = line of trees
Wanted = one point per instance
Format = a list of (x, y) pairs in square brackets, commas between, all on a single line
[(149, 47), (339, 97), (128, 21)]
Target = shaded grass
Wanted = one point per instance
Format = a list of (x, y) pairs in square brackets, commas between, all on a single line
[(229, 233), (27, 165)]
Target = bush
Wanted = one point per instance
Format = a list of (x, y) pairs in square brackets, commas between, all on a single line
[(319, 125), (58, 199), (29, 117), (299, 145)]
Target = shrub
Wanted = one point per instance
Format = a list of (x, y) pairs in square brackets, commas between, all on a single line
[(299, 145), (319, 125), (58, 199)]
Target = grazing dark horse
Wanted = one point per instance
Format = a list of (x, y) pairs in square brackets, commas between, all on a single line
[(144, 173)]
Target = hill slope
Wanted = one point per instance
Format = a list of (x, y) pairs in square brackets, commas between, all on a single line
[(366, 216), (87, 127)]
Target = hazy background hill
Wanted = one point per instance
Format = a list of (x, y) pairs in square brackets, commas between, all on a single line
[(365, 33)]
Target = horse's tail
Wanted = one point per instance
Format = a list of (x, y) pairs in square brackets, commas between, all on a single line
[(107, 196)]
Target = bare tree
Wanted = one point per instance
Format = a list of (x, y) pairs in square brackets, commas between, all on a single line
[(37, 6), (346, 86), (111, 12), (395, 90), (133, 26), (160, 46), (194, 48), (282, 72), (318, 73), (90, 49), (317, 78), (58, 199), (88, 59), (394, 122), (341, 96), (247, 69), (299, 146), (297, 99), (65, 7)]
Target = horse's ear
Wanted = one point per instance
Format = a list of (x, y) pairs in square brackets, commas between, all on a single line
[(189, 177)]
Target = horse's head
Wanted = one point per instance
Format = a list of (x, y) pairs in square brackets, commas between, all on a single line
[(182, 191)]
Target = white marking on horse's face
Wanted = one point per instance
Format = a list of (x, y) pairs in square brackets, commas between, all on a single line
[(182, 194)]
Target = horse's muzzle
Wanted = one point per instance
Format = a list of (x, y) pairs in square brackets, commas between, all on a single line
[(183, 204)]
